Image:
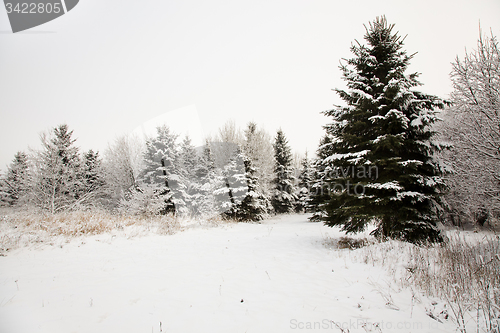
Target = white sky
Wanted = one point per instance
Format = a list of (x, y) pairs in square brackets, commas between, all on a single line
[(107, 67)]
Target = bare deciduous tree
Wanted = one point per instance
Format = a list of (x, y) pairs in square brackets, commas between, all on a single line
[(258, 147), (123, 163), (472, 124)]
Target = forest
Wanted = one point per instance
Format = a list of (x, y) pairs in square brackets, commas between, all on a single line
[(406, 166), (437, 159)]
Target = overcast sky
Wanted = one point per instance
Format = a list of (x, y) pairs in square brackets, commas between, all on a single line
[(107, 68)]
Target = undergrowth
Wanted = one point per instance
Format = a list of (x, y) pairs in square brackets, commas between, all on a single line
[(18, 229), (464, 271)]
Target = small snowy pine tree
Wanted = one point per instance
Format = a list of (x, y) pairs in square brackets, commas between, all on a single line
[(319, 195), (283, 198), (304, 185), (91, 189), (232, 186), (92, 171), (56, 175), (15, 184), (206, 180), (238, 193), (160, 173), (254, 205)]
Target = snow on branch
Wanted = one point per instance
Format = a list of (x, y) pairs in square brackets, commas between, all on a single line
[(393, 185), (336, 157)]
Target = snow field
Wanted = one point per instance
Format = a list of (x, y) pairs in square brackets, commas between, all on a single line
[(277, 276)]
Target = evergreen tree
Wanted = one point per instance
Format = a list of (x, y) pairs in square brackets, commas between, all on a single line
[(319, 195), (160, 175), (92, 171), (15, 184), (283, 198), (238, 194), (63, 144), (57, 176), (380, 163), (188, 158), (92, 184), (304, 185), (232, 185), (190, 195), (161, 157), (254, 205), (207, 180), (306, 173), (206, 165), (4, 195)]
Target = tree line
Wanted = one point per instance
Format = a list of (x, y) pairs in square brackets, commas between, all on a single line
[(391, 156), (243, 175)]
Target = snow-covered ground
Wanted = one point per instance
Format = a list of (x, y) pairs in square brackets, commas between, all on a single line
[(277, 276)]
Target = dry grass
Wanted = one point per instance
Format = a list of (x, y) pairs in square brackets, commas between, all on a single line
[(351, 243), (464, 272), (18, 229)]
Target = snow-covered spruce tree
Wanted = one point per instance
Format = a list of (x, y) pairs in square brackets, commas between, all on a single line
[(304, 185), (206, 180), (206, 165), (92, 174), (4, 188), (231, 187), (187, 183), (188, 158), (283, 198), (256, 145), (254, 205), (381, 166), (238, 193), (4, 195), (319, 194), (153, 192), (92, 170), (196, 182), (57, 177), (15, 184)]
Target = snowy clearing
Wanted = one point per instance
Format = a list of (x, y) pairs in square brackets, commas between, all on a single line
[(277, 276)]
